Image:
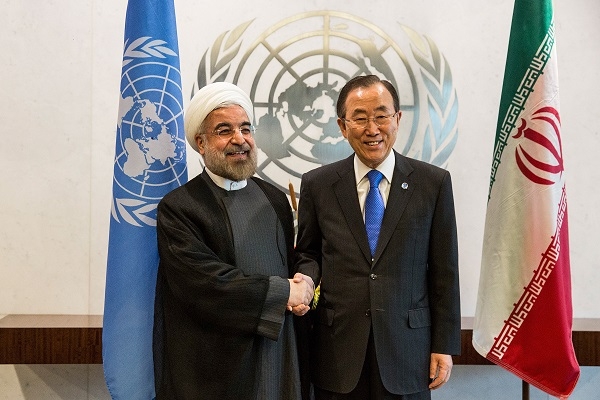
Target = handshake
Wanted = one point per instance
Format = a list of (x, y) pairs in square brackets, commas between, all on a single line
[(302, 290)]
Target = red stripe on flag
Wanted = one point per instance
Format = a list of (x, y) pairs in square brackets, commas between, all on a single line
[(535, 342)]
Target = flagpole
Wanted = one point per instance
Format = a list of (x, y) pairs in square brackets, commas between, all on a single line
[(525, 390)]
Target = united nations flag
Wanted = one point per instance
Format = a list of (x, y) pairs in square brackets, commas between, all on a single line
[(149, 162)]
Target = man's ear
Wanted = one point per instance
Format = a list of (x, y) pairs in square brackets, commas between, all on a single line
[(200, 143), (342, 124)]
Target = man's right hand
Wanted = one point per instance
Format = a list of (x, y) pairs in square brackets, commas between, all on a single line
[(302, 290)]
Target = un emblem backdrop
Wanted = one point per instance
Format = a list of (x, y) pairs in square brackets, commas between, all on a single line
[(294, 68)]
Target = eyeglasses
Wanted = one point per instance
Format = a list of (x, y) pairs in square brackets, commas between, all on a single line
[(226, 132), (363, 122)]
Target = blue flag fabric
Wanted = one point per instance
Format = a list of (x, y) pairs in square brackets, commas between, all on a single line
[(149, 162)]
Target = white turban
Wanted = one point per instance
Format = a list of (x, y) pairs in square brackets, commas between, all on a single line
[(209, 98)]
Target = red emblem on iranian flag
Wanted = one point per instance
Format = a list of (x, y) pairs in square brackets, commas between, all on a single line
[(539, 154)]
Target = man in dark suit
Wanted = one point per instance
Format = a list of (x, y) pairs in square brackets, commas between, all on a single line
[(225, 240), (388, 317)]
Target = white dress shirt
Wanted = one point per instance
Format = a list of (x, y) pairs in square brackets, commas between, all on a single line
[(362, 182), (226, 183)]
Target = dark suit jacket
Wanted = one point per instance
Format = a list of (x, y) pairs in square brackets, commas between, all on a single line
[(206, 350), (409, 292)]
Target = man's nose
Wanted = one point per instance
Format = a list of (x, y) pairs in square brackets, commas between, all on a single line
[(238, 137), (372, 127)]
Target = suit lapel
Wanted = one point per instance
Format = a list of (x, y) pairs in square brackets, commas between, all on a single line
[(347, 197), (400, 193)]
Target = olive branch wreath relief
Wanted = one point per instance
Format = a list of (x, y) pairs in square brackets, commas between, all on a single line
[(216, 61), (441, 133)]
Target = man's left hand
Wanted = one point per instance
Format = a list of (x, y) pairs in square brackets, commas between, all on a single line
[(439, 370)]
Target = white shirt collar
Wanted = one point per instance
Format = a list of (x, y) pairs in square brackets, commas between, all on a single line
[(224, 183), (386, 168)]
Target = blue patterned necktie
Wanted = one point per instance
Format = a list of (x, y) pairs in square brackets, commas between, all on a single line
[(374, 209)]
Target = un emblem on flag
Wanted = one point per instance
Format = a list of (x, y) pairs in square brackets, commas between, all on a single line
[(294, 70), (150, 152)]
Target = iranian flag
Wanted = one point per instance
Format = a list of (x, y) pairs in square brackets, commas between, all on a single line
[(524, 315)]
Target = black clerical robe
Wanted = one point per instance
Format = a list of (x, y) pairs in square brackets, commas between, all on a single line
[(208, 325)]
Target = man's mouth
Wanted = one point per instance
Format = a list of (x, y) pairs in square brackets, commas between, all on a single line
[(238, 153)]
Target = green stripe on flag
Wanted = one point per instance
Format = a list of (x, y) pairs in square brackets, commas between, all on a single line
[(531, 41)]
